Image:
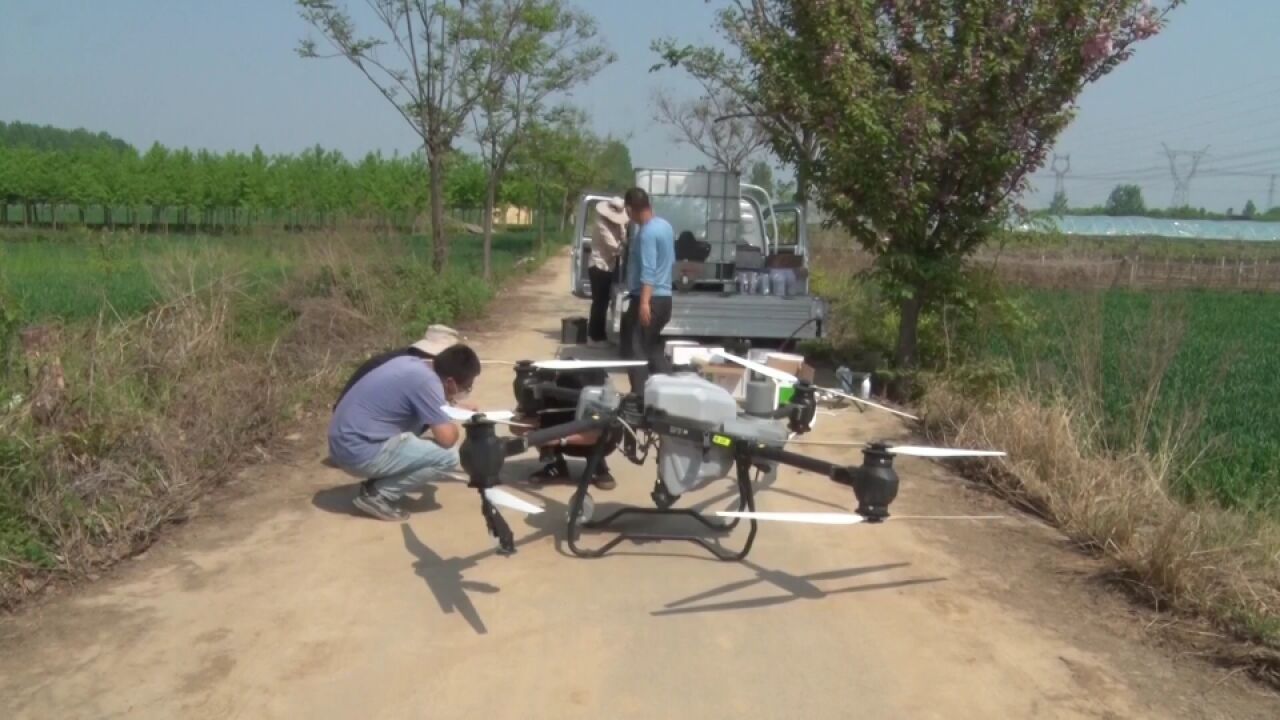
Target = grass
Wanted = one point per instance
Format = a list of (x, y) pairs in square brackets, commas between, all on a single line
[(1223, 372), (1143, 424), (160, 365)]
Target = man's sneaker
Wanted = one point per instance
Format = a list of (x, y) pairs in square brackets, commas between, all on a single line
[(373, 503), (604, 480), (555, 471)]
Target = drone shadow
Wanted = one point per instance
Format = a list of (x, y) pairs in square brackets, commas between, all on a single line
[(445, 580), (795, 587)]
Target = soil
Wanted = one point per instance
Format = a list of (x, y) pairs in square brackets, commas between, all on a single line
[(278, 600)]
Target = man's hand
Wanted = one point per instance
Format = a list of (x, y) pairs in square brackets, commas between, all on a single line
[(467, 405), (646, 315)]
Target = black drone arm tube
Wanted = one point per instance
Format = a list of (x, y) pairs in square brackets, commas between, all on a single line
[(555, 392), (804, 462), (556, 432)]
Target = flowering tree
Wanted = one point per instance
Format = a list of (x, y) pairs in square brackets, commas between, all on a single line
[(925, 116)]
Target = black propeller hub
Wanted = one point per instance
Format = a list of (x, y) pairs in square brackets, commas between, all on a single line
[(875, 483), (481, 453), (526, 400), (804, 407)]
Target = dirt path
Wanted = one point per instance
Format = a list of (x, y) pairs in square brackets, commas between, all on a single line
[(276, 602)]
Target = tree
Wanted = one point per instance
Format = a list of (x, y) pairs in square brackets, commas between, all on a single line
[(615, 164), (1250, 210), (1126, 200), (1059, 205), (715, 125), (434, 45), (531, 49), (926, 117), (762, 176)]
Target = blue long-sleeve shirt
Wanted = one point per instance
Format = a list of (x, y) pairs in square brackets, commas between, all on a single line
[(651, 258)]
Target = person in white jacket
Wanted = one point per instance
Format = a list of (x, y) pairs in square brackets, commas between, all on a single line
[(607, 238)]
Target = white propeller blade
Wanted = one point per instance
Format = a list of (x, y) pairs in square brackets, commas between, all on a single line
[(501, 417), (765, 370), (933, 452), (587, 364), (868, 403), (841, 518), (800, 517), (501, 497)]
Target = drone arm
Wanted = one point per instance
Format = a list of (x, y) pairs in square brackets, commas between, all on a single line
[(538, 438), (803, 462), (552, 391)]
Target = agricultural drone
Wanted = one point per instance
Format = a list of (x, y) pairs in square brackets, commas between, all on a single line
[(700, 435)]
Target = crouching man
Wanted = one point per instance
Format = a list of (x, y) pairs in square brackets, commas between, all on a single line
[(375, 430)]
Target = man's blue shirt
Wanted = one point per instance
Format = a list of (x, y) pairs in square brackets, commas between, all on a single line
[(651, 257)]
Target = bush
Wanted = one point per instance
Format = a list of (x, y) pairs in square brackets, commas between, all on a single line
[(160, 406)]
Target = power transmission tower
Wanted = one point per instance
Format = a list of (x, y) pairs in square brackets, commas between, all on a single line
[(1182, 184), (1059, 187)]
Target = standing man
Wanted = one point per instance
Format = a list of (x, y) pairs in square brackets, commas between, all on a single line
[(650, 258), (374, 432), (606, 246)]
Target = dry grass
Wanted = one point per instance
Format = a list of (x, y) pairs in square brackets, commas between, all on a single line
[(1199, 559), (157, 409)]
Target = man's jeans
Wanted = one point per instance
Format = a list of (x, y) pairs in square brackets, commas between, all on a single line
[(406, 463)]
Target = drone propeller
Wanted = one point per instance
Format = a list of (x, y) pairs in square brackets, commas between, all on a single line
[(821, 518), (502, 498), (933, 452), (501, 417), (786, 377), (911, 450), (587, 364)]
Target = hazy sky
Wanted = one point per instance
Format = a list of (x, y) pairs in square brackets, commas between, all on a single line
[(224, 75)]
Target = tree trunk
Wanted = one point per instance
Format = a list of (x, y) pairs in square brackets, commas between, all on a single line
[(564, 210), (439, 244), (904, 359), (542, 219), (490, 199)]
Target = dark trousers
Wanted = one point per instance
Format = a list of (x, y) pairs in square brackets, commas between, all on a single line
[(645, 343), (601, 289)]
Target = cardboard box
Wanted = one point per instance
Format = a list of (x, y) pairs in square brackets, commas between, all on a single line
[(691, 354), (730, 377), (686, 274), (790, 364)]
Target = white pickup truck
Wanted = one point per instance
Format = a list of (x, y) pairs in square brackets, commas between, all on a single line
[(744, 229)]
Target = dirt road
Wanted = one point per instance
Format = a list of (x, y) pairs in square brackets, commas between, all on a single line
[(277, 602)]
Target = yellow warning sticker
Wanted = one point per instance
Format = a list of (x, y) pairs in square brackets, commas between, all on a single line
[(721, 440)]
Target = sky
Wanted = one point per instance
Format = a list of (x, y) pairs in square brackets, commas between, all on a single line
[(225, 76)]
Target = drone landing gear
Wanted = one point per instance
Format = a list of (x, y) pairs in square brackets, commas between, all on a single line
[(582, 508)]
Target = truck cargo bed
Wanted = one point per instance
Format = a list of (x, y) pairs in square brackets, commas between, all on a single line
[(714, 315)]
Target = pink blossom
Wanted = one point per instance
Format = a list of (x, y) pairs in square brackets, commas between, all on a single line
[(1098, 47), (1145, 26)]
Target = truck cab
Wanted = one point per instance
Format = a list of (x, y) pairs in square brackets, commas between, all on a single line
[(754, 282)]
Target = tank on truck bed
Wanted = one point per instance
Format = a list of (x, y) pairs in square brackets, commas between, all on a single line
[(754, 282)]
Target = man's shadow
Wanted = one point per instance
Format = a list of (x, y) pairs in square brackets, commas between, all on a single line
[(338, 500)]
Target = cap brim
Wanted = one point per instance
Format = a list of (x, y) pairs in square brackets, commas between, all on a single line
[(607, 212), (430, 347)]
